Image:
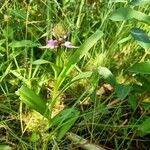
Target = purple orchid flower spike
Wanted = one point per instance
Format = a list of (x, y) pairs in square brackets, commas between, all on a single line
[(68, 44), (56, 43), (52, 44)]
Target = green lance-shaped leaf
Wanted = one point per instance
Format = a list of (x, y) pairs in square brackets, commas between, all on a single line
[(123, 90), (139, 2), (82, 51), (64, 120), (127, 13), (107, 75), (141, 37), (144, 128), (143, 68), (32, 100)]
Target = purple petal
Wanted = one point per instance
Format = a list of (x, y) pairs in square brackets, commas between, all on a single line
[(69, 45), (52, 44)]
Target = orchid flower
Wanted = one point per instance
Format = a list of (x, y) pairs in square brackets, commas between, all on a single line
[(68, 44), (56, 43), (52, 44)]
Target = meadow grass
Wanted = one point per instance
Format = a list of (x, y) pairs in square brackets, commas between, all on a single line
[(91, 97)]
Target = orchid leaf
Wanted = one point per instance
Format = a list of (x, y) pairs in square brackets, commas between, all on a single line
[(142, 68), (127, 13), (123, 90), (107, 75), (64, 120), (144, 128), (32, 100), (139, 2), (141, 37)]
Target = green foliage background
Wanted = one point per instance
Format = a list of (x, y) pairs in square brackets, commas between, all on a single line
[(98, 92)]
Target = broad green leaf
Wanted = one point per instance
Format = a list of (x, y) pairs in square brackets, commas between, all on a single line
[(141, 37), (123, 90), (143, 68), (139, 2), (23, 43), (122, 14), (127, 13), (144, 128), (78, 54), (67, 125), (64, 120), (107, 75), (32, 100), (62, 116)]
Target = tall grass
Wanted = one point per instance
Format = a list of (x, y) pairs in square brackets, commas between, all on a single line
[(98, 92)]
